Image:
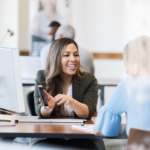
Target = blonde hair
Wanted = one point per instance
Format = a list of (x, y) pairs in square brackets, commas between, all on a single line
[(53, 70), (138, 52)]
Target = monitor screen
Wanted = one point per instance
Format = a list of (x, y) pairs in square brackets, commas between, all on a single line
[(11, 92)]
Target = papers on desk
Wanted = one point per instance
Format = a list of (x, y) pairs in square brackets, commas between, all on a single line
[(86, 128), (52, 120), (7, 120)]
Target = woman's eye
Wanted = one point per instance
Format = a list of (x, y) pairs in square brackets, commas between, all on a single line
[(77, 55), (65, 55)]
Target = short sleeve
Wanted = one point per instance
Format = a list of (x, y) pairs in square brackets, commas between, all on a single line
[(107, 123)]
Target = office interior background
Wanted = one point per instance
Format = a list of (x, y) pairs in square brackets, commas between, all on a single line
[(103, 27)]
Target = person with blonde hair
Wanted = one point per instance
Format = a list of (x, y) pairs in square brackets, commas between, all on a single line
[(69, 91), (43, 18), (132, 95)]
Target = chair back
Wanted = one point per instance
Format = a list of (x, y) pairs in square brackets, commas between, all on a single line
[(138, 140), (30, 100)]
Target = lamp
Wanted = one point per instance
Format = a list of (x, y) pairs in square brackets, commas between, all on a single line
[(11, 33)]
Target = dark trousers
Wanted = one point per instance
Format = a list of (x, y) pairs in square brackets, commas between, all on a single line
[(71, 144)]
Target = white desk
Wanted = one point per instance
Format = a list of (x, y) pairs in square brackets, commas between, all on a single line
[(109, 82), (28, 82)]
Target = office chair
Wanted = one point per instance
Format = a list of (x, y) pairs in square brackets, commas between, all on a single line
[(30, 101), (138, 140)]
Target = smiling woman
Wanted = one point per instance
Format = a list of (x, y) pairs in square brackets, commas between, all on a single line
[(62, 68), (68, 90)]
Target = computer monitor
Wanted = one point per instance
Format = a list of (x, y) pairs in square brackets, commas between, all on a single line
[(11, 92)]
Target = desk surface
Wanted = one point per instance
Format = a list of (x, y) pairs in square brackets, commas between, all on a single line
[(108, 82), (48, 130)]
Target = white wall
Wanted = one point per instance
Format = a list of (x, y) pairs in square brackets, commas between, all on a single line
[(137, 19), (99, 24), (109, 69), (107, 25), (9, 20), (14, 15)]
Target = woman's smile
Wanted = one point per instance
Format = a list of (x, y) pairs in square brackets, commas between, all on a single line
[(72, 66), (70, 60)]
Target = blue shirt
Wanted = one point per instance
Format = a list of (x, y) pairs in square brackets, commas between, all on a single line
[(132, 96)]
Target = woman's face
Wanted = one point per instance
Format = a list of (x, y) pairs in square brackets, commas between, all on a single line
[(70, 60)]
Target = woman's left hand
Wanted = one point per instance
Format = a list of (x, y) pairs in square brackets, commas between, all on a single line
[(60, 98)]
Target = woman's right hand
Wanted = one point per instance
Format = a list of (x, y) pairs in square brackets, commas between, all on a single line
[(48, 98)]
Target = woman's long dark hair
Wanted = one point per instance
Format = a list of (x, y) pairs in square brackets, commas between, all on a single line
[(53, 70)]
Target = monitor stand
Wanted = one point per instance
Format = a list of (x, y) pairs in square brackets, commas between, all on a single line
[(7, 120)]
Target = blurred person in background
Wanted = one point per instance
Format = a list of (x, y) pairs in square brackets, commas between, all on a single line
[(66, 31), (132, 95), (52, 28), (43, 18)]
